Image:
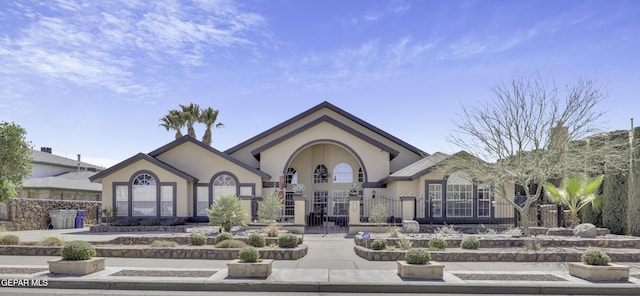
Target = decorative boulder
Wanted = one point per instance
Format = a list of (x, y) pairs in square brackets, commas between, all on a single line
[(585, 230), (410, 226)]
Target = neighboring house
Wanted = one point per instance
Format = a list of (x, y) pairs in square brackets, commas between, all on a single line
[(57, 177), (325, 148)]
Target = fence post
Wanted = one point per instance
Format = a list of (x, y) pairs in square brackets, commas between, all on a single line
[(299, 205), (560, 212)]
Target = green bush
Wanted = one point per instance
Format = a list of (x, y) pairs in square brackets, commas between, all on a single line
[(393, 231), (418, 256), (379, 244), (272, 230), (231, 243), (594, 256), (197, 239), (614, 202), (151, 222), (129, 221), (223, 237), (51, 241), (163, 244), (249, 255), (287, 240), (470, 243), (77, 250), (256, 240), (438, 243), (9, 239), (405, 243)]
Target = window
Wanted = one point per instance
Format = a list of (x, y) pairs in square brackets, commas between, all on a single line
[(342, 173), (484, 201), (289, 207), (435, 197), (360, 175), (340, 203), (166, 200), (320, 201), (320, 174), (291, 177), (144, 196), (122, 200), (202, 204), (223, 185), (459, 196)]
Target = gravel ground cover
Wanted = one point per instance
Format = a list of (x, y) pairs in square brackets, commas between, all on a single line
[(508, 277), (21, 270), (164, 273)]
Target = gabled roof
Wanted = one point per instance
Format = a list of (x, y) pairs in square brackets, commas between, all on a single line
[(141, 156), (418, 168), (67, 181), (333, 108), (325, 118), (55, 160), (187, 138)]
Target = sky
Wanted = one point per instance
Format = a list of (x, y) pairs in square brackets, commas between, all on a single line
[(94, 77)]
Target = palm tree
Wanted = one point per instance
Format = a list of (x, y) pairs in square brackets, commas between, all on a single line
[(209, 116), (173, 121), (575, 193), (190, 114)]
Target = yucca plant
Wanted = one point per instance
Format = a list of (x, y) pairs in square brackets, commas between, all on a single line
[(575, 193)]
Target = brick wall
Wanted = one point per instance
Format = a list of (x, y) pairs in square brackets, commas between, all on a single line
[(30, 214)]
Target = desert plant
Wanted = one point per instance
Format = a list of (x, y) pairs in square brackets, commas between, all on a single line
[(223, 237), (576, 192), (533, 243), (390, 248), (77, 250), (446, 230), (393, 231), (470, 243), (197, 238), (270, 207), (404, 243), (298, 188), (249, 255), (482, 229), (513, 232), (418, 256), (354, 188), (437, 243), (594, 256), (230, 243), (379, 244), (272, 230), (9, 239), (378, 213), (256, 240), (163, 244), (51, 241), (226, 211), (287, 240)]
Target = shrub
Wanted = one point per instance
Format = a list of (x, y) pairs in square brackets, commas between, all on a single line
[(287, 240), (51, 241), (270, 207), (418, 256), (77, 250), (249, 255), (174, 222), (163, 244), (151, 222), (197, 239), (223, 237), (256, 240), (378, 213), (470, 243), (9, 239), (226, 211), (272, 230), (405, 243), (129, 221), (379, 244), (231, 243), (446, 230), (594, 256), (438, 243), (393, 231)]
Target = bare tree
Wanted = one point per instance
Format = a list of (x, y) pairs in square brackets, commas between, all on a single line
[(531, 132)]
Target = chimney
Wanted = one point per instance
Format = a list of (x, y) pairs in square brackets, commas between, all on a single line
[(46, 149)]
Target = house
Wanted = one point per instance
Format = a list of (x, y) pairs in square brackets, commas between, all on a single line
[(325, 148), (57, 177)]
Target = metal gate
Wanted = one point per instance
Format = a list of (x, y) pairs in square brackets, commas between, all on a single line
[(329, 212)]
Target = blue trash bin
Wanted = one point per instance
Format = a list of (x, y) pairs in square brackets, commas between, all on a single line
[(80, 219)]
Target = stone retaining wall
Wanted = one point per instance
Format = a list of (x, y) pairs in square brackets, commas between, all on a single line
[(32, 214), (567, 255), (140, 228), (614, 242), (182, 240), (201, 252)]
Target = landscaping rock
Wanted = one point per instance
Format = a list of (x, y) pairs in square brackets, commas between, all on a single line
[(410, 226), (585, 230)]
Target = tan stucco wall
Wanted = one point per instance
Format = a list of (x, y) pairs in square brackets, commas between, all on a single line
[(125, 174)]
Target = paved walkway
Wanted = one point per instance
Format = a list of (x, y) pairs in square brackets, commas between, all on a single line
[(330, 266)]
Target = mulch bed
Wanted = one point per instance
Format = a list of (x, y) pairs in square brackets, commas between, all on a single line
[(164, 273), (508, 277), (21, 270)]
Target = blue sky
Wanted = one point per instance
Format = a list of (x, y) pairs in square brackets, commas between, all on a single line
[(94, 77)]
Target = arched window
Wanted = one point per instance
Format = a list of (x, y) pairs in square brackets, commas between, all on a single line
[(291, 177), (342, 173), (320, 174), (223, 185), (144, 195), (459, 195)]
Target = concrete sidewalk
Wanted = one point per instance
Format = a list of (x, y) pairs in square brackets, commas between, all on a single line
[(330, 266)]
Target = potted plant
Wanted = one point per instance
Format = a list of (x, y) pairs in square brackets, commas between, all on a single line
[(249, 265), (418, 265), (596, 266), (354, 189), (77, 259), (298, 189)]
